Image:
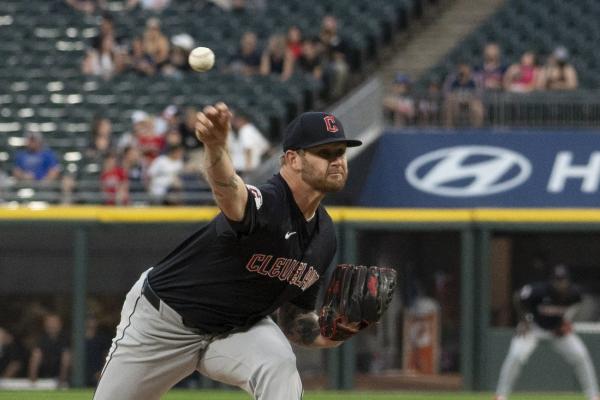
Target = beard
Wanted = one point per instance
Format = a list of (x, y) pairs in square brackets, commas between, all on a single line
[(332, 181)]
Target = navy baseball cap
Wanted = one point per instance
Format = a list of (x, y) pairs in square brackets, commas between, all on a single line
[(312, 129)]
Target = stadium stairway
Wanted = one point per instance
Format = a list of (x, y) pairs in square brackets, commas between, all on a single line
[(431, 42)]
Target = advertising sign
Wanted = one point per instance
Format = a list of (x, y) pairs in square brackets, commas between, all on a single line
[(513, 169)]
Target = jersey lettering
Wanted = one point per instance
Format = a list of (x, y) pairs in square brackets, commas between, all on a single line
[(255, 262), (287, 270), (263, 267), (277, 266)]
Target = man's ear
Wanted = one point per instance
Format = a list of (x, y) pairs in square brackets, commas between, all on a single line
[(292, 158)]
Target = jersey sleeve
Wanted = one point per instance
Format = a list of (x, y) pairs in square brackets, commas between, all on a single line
[(308, 299), (261, 209)]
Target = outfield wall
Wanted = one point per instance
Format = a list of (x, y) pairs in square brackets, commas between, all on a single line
[(81, 251)]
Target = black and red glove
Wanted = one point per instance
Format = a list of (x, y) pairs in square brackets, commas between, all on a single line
[(356, 297)]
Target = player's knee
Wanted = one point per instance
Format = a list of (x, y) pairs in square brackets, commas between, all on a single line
[(281, 366), (277, 378), (518, 358)]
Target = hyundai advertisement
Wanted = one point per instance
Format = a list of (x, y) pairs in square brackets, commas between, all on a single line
[(512, 169)]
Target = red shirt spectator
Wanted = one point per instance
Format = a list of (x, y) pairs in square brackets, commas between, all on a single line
[(294, 41), (114, 182), (522, 77)]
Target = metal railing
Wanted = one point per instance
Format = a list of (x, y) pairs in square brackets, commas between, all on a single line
[(548, 109)]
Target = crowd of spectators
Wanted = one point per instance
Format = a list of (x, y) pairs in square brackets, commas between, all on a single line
[(38, 347), (461, 95), (159, 156), (282, 54)]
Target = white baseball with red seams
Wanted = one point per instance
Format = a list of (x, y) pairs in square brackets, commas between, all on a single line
[(201, 59)]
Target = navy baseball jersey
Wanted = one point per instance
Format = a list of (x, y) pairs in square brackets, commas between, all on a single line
[(228, 275), (547, 306)]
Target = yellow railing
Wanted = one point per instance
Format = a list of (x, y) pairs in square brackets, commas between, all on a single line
[(339, 214)]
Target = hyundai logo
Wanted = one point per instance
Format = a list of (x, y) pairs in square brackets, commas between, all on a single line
[(467, 171)]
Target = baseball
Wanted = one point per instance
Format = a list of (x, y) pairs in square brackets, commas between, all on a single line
[(201, 59)]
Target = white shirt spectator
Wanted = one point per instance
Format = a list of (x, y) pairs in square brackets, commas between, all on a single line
[(247, 148), (163, 173)]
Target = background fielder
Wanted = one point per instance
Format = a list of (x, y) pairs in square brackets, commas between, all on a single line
[(546, 309)]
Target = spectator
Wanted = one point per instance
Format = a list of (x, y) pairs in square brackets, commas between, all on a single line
[(462, 94), (87, 6), (558, 73), (138, 61), (101, 140), (247, 145), (167, 120), (143, 136), (114, 182), (181, 46), (12, 355), (491, 72), (187, 128), (50, 356), (96, 349), (107, 28), (194, 148), (150, 5), (156, 44), (247, 59), (163, 176), (133, 166), (400, 104), (524, 76), (310, 61), (36, 162), (294, 41), (334, 52), (428, 106), (173, 138), (104, 62), (277, 59)]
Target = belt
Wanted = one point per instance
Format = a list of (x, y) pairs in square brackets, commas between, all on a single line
[(150, 295)]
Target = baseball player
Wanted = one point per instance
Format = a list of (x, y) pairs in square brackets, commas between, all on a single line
[(546, 309), (206, 305)]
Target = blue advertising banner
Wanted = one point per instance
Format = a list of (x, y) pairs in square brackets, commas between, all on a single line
[(510, 169)]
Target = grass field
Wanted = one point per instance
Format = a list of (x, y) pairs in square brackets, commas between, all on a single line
[(234, 395)]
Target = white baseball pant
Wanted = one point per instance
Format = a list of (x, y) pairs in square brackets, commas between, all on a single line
[(569, 346), (153, 350)]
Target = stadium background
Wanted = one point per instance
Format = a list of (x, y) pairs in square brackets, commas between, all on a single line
[(460, 258)]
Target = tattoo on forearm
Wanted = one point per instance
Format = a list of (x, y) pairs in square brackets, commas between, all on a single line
[(299, 325), (230, 183), (217, 159)]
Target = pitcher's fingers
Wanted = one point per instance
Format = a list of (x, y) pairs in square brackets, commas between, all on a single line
[(201, 117), (210, 112), (206, 122), (222, 107)]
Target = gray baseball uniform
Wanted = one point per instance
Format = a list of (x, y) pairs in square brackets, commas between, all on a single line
[(153, 350), (547, 308)]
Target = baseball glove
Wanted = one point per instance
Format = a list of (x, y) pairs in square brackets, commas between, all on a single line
[(356, 297)]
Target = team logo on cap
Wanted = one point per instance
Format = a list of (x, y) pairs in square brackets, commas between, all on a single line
[(330, 124)]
